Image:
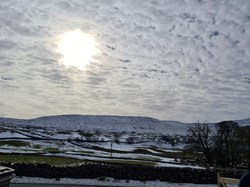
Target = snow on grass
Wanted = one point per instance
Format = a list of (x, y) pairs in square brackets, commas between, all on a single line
[(105, 182), (179, 166), (119, 147), (132, 160), (8, 134), (2, 150)]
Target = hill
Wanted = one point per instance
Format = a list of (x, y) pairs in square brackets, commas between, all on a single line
[(103, 123)]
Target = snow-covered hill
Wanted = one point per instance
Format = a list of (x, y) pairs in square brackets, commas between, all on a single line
[(104, 123), (108, 123), (90, 137), (243, 122)]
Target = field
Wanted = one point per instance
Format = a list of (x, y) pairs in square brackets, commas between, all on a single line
[(66, 148), (85, 152)]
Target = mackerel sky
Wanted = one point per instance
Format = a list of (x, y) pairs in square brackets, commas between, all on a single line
[(182, 60)]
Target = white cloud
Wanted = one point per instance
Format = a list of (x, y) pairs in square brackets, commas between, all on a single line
[(177, 59)]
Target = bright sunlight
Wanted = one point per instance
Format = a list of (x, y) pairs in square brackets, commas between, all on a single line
[(77, 49)]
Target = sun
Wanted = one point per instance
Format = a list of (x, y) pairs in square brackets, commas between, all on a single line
[(77, 48)]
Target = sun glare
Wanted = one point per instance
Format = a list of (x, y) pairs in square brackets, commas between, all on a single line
[(77, 48)]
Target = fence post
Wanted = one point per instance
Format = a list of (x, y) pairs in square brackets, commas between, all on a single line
[(222, 181), (218, 179)]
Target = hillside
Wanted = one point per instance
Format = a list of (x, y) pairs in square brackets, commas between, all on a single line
[(137, 140), (104, 123)]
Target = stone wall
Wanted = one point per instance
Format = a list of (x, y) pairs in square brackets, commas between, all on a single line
[(122, 171)]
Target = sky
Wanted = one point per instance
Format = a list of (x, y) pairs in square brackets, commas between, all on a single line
[(183, 60)]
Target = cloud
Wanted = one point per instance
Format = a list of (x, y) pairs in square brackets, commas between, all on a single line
[(6, 63), (6, 45), (126, 60), (177, 59), (7, 78)]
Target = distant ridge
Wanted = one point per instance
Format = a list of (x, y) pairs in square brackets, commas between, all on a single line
[(108, 123), (104, 123), (243, 122)]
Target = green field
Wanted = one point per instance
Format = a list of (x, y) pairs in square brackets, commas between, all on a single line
[(61, 161)]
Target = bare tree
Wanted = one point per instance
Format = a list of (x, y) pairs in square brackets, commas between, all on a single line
[(199, 137), (228, 142), (244, 145)]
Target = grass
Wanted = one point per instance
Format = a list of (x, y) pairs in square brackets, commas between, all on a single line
[(62, 161), (109, 150), (65, 161), (162, 153), (85, 134), (132, 162), (63, 132), (52, 150), (167, 154), (15, 143), (39, 159), (148, 158), (36, 146)]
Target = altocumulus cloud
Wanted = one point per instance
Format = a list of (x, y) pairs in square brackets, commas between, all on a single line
[(178, 59)]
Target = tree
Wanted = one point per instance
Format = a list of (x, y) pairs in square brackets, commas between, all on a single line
[(227, 141), (199, 137), (244, 145), (229, 147)]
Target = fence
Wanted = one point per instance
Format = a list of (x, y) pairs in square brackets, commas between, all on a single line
[(223, 181)]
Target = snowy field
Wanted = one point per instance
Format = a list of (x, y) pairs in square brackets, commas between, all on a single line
[(45, 136), (93, 138)]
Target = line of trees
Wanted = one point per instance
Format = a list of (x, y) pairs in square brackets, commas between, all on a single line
[(225, 145)]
